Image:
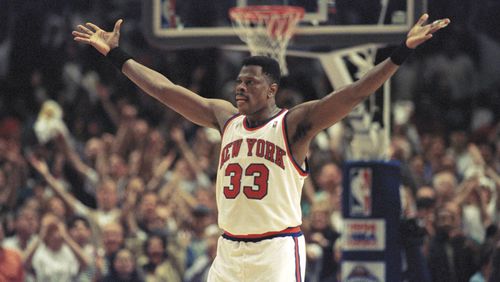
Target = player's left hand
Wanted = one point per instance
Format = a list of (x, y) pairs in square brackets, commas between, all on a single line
[(422, 32)]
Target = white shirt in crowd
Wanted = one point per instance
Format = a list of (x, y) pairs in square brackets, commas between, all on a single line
[(50, 266)]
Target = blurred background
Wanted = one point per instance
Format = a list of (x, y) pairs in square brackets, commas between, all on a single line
[(86, 155)]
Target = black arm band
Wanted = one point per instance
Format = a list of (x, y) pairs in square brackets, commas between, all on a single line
[(118, 57), (401, 53)]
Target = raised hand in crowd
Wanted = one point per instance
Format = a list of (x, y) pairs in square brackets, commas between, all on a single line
[(187, 153), (43, 169), (40, 165), (103, 92), (53, 234), (159, 171)]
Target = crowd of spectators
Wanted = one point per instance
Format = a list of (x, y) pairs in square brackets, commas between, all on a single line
[(99, 182)]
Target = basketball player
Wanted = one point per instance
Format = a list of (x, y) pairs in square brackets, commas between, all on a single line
[(263, 156)]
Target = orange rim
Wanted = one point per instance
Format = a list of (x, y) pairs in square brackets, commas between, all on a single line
[(254, 13)]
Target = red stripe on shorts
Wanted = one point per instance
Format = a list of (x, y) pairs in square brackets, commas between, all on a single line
[(298, 276)]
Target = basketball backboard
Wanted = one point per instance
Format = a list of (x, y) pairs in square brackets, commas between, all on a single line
[(172, 24)]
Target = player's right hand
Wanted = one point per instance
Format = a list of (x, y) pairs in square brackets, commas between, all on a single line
[(100, 39)]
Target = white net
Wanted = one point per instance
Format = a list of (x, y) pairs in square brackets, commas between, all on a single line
[(267, 29)]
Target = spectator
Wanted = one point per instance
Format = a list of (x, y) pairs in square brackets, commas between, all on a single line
[(202, 218), (426, 208), (159, 266), (485, 264), (56, 206), (329, 182), (426, 214), (147, 210), (198, 272), (477, 208), (320, 245), (445, 184), (26, 227), (136, 144), (106, 195), (55, 256), (113, 239), (458, 149), (123, 268), (80, 232), (194, 176), (11, 264), (451, 255)]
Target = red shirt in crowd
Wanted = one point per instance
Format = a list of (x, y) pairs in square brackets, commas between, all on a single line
[(11, 266)]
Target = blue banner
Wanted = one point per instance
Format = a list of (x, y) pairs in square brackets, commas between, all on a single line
[(371, 208)]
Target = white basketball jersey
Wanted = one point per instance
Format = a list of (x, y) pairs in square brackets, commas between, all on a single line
[(259, 185)]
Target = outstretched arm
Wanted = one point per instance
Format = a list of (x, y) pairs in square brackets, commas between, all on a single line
[(47, 221), (306, 120), (188, 154), (41, 167), (202, 111), (73, 157)]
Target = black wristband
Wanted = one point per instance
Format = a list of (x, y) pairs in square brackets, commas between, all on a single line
[(401, 53), (118, 57)]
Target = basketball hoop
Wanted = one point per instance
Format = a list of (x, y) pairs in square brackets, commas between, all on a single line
[(267, 29)]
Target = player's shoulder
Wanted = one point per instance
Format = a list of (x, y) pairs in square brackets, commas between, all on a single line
[(223, 111), (299, 113)]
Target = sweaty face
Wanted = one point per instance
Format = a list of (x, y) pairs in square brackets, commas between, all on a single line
[(252, 90)]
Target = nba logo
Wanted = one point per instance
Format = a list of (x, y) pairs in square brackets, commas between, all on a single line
[(361, 273), (360, 197)]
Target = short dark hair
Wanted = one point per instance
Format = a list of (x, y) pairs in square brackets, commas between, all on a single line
[(158, 235), (270, 66), (74, 219)]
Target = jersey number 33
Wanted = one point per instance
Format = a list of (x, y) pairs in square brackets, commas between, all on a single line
[(260, 174)]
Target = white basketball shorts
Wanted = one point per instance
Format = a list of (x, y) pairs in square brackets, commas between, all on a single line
[(278, 259)]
